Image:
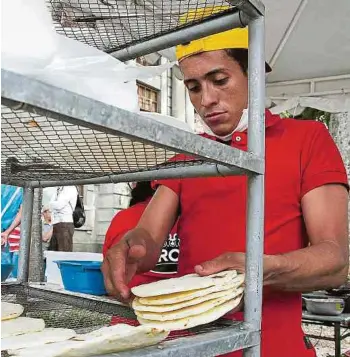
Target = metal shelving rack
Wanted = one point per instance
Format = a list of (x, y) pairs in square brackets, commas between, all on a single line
[(33, 110)]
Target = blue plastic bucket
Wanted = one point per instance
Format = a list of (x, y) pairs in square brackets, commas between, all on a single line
[(82, 276), (6, 269)]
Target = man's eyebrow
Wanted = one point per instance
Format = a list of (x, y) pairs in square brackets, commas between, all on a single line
[(208, 74)]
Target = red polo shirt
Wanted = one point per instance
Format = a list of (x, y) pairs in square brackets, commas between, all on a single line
[(300, 156)]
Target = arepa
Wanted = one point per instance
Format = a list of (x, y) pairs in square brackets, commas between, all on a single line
[(189, 301), (179, 297), (21, 326), (10, 311), (192, 321), (192, 310), (184, 283), (231, 293)]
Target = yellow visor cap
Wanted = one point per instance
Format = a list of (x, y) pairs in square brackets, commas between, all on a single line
[(235, 38)]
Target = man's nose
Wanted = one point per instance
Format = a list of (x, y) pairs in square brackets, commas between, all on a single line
[(209, 97)]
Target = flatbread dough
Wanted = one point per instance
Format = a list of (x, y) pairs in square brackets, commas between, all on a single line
[(184, 283), (167, 308), (48, 350), (192, 321), (138, 337), (10, 311), (106, 331), (190, 310), (48, 335), (21, 326), (179, 297)]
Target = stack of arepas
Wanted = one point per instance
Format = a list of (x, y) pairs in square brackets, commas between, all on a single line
[(188, 301)]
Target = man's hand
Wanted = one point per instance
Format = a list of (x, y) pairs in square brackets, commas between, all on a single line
[(226, 261), (236, 261), (136, 252)]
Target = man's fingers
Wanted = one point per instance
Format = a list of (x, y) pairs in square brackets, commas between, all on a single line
[(122, 263), (213, 266), (135, 253), (107, 279), (111, 289), (136, 245), (117, 259)]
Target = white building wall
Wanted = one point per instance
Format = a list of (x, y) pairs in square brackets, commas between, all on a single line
[(102, 202)]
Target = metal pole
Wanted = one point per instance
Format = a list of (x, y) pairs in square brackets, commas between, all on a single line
[(36, 268), (255, 212), (183, 35), (26, 226), (252, 8), (337, 339), (63, 105), (201, 170)]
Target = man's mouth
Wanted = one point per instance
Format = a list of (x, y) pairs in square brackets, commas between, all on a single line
[(214, 116)]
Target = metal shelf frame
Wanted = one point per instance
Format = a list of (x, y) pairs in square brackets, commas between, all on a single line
[(38, 97)]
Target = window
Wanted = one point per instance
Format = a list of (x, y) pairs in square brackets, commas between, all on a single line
[(148, 98), (151, 60)]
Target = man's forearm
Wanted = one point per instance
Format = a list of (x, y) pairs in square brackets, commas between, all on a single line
[(320, 266)]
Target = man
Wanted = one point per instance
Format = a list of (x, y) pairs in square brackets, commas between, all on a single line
[(306, 229), (62, 206)]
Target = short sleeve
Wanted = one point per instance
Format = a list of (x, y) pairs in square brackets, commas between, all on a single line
[(173, 184), (321, 162)]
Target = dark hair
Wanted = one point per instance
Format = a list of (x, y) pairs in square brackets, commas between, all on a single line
[(141, 192), (240, 55)]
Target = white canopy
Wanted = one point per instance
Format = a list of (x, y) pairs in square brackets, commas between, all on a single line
[(308, 47), (307, 38)]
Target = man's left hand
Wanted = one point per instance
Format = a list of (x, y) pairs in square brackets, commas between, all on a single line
[(236, 261), (226, 261)]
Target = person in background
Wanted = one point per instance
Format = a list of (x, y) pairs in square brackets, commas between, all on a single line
[(62, 205), (47, 228), (11, 214), (127, 219)]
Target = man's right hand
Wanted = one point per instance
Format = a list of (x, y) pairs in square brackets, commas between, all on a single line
[(136, 252)]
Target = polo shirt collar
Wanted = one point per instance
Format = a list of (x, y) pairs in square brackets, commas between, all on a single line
[(270, 120)]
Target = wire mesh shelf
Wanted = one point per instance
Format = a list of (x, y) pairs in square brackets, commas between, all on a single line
[(111, 25), (36, 147), (85, 314), (42, 140), (56, 314)]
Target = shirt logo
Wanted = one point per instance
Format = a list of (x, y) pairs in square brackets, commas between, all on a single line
[(168, 260)]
